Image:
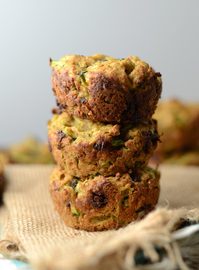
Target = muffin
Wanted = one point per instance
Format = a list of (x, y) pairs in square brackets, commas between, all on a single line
[(185, 158), (82, 147), (194, 120), (4, 156), (30, 151), (100, 203), (2, 182), (105, 89), (178, 124)]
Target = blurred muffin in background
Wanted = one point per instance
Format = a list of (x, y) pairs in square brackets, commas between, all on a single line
[(4, 157), (2, 181), (184, 158), (179, 130), (178, 125), (30, 151)]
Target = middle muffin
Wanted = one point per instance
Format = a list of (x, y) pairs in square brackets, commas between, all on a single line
[(82, 147)]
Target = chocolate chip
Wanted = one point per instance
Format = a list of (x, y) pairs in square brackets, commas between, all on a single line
[(74, 182), (82, 100), (155, 138), (60, 136), (151, 137), (98, 199), (158, 74), (135, 176), (99, 145), (57, 111), (139, 164), (62, 176), (60, 106), (124, 201), (67, 204), (100, 82), (136, 154), (146, 147), (146, 133), (54, 110)]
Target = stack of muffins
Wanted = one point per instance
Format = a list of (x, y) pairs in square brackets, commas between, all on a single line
[(102, 136)]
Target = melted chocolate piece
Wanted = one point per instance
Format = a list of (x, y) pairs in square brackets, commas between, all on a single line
[(99, 145), (74, 182), (98, 199), (158, 74), (151, 137), (82, 100), (135, 176), (60, 136)]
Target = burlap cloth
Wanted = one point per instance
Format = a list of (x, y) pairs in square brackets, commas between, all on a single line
[(32, 230)]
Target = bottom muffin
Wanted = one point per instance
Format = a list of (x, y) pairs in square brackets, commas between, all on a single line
[(102, 203)]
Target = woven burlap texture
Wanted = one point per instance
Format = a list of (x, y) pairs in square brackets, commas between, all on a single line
[(33, 231)]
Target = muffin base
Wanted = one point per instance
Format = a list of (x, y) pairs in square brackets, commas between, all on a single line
[(103, 203)]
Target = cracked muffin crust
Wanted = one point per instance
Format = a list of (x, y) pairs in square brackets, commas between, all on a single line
[(83, 148), (101, 203), (105, 89)]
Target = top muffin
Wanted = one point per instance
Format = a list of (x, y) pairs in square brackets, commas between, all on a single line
[(104, 89)]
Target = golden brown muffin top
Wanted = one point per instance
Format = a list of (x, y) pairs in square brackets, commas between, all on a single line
[(129, 72)]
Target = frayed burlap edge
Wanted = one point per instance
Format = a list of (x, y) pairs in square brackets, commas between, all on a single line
[(49, 245), (9, 246), (117, 251)]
